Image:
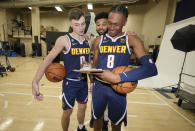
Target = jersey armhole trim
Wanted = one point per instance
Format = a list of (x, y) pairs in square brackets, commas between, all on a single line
[(127, 43), (101, 40), (69, 45)]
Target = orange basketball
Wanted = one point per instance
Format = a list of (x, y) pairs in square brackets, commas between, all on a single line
[(123, 87), (12, 69), (55, 72)]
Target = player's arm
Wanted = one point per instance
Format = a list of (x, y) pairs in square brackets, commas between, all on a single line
[(59, 46), (85, 63), (96, 51), (147, 68), (91, 49), (95, 44), (92, 41)]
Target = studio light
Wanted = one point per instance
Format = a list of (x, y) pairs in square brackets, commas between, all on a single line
[(90, 6), (58, 8)]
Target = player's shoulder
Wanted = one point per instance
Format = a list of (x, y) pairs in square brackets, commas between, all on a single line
[(133, 37), (63, 38), (134, 40)]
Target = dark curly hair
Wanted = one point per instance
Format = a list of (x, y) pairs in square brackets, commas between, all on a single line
[(120, 9), (102, 15)]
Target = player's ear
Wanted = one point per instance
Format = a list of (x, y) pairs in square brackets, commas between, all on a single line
[(71, 24), (124, 23)]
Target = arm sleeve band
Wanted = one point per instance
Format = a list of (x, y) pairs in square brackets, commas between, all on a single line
[(147, 69)]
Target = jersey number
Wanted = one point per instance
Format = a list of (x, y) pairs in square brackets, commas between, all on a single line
[(82, 58), (110, 61)]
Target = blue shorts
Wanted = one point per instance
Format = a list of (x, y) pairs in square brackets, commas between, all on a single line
[(103, 96), (74, 90)]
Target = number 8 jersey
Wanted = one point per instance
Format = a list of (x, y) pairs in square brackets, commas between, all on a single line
[(113, 52), (75, 55)]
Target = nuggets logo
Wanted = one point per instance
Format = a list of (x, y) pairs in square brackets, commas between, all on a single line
[(113, 49), (74, 43), (104, 41), (86, 43), (80, 51), (122, 40)]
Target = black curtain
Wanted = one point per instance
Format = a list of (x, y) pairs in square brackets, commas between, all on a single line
[(184, 9)]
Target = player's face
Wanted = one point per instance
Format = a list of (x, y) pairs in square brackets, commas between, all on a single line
[(102, 26), (78, 26), (116, 21)]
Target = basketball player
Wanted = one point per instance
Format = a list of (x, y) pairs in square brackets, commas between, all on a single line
[(101, 21), (75, 50), (113, 50)]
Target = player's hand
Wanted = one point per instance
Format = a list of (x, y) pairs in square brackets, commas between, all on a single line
[(109, 76), (86, 37), (130, 33), (85, 63), (35, 90)]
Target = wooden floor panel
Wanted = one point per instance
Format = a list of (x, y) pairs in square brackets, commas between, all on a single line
[(147, 109)]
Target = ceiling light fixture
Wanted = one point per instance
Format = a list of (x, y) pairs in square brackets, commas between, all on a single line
[(90, 6), (58, 8)]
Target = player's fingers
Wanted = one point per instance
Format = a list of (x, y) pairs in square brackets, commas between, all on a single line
[(34, 92), (106, 71), (86, 37), (84, 63), (39, 97), (97, 74)]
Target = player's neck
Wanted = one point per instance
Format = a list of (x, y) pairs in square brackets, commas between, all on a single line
[(119, 34), (77, 36)]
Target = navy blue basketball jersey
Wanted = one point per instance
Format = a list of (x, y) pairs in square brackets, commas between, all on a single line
[(75, 55), (113, 52)]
